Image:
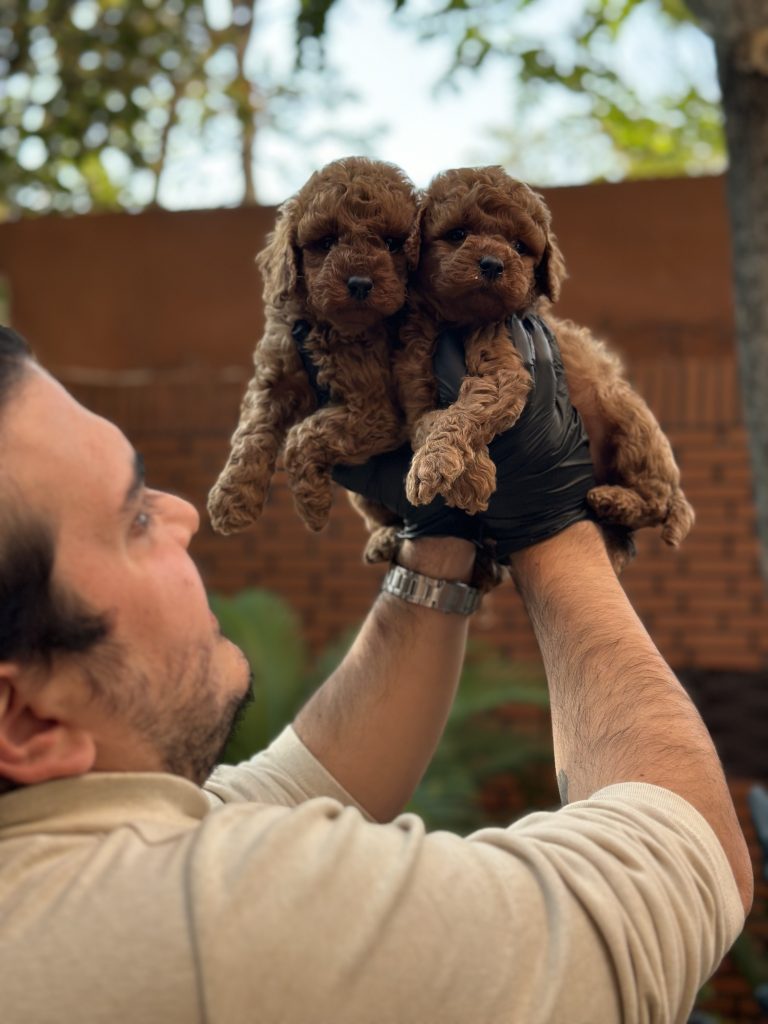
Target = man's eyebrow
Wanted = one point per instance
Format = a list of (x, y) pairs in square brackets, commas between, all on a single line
[(137, 481)]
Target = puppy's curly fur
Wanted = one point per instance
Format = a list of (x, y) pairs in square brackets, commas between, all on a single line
[(335, 270), (488, 251)]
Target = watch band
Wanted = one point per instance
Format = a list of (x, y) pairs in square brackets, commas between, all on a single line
[(442, 595)]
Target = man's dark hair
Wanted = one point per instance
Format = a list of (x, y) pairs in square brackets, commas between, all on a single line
[(37, 618), (14, 354)]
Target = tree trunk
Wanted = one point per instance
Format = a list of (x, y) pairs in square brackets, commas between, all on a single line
[(745, 100), (247, 157), (740, 31), (159, 165), (247, 109)]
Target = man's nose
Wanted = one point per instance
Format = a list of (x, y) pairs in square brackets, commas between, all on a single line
[(184, 515)]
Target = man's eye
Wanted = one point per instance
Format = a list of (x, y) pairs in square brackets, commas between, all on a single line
[(394, 244), (143, 521), (456, 235), (521, 247), (145, 517)]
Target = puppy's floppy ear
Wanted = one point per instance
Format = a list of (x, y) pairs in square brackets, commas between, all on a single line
[(550, 273), (278, 260), (412, 246)]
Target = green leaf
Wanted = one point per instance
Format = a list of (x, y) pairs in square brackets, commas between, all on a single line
[(266, 630)]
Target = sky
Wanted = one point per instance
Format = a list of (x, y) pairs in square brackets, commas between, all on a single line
[(394, 72)]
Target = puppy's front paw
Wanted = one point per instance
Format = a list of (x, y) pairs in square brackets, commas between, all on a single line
[(232, 508), (433, 471), (473, 489)]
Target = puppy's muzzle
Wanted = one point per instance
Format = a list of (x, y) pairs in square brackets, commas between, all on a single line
[(359, 287), (490, 267)]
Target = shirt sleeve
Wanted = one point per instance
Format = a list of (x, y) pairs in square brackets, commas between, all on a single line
[(614, 909), (286, 773)]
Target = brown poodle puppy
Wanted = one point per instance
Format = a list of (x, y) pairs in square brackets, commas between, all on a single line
[(335, 271), (488, 251)]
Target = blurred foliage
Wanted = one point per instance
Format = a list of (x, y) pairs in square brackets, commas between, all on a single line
[(92, 94), (96, 96), (488, 768), (601, 106), (264, 627), (481, 747)]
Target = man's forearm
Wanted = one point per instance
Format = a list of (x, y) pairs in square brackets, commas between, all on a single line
[(375, 723), (618, 712)]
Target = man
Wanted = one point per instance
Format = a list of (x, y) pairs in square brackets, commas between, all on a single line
[(283, 890)]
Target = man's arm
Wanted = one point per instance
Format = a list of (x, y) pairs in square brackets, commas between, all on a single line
[(618, 712), (375, 723)]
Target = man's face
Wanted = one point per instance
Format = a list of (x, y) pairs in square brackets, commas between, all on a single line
[(161, 693)]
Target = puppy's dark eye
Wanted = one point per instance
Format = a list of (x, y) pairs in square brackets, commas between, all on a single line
[(456, 235), (521, 247), (394, 244), (325, 243)]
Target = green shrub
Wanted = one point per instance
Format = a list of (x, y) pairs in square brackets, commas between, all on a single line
[(481, 743)]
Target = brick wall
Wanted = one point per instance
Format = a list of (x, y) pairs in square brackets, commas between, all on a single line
[(151, 321), (704, 604), (153, 318)]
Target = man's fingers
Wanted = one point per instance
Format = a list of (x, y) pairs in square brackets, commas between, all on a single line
[(354, 478), (547, 360), (449, 365), (521, 339), (380, 478)]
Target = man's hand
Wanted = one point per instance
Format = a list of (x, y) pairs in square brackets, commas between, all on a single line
[(543, 466), (382, 479)]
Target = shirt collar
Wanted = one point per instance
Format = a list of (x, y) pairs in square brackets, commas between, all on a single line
[(101, 801)]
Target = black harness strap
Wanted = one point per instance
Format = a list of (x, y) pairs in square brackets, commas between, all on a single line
[(300, 331)]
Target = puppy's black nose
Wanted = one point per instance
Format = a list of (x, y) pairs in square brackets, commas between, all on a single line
[(359, 287), (491, 267)]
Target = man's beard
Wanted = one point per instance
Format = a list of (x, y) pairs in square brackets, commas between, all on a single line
[(199, 737), (183, 717)]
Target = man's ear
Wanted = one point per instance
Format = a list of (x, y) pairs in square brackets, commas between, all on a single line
[(35, 744)]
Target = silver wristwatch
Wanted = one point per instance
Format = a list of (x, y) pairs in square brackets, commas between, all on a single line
[(442, 595)]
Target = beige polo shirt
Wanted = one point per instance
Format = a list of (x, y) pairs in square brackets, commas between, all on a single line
[(270, 898)]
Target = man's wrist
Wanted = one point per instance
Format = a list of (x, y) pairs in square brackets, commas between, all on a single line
[(540, 562), (444, 558)]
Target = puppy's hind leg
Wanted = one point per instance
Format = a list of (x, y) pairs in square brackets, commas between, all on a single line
[(679, 521), (622, 506), (383, 527)]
